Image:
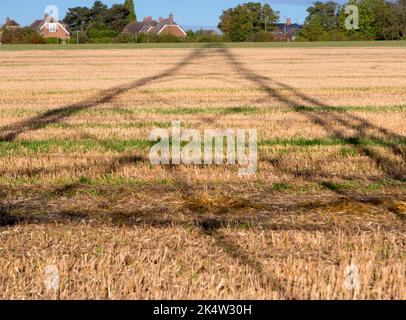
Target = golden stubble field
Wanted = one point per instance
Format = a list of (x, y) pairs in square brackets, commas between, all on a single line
[(324, 217)]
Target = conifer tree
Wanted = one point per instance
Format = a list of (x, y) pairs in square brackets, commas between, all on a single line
[(129, 4)]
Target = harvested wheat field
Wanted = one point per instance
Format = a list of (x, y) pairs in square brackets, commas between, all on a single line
[(324, 217)]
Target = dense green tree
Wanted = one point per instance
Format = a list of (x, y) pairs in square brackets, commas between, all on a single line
[(129, 5), (99, 21), (98, 12), (77, 18), (322, 20), (241, 22), (323, 14), (117, 17), (395, 28), (378, 19), (401, 9), (99, 30), (374, 15), (25, 35)]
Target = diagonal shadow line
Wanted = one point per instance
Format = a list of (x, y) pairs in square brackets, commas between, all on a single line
[(211, 227), (389, 166), (323, 106), (362, 126), (261, 81), (242, 257), (11, 132), (112, 166), (205, 226), (58, 114)]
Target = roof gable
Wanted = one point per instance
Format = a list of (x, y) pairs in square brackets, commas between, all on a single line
[(137, 27), (171, 26), (152, 26), (37, 24), (161, 25), (60, 25), (10, 24)]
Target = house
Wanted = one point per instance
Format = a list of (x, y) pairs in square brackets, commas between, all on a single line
[(286, 31), (49, 27), (152, 27), (141, 27), (9, 25)]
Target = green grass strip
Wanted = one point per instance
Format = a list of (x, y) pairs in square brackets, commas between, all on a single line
[(319, 44), (115, 145), (303, 142)]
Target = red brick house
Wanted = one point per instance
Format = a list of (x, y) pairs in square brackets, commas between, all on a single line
[(9, 25), (140, 27), (286, 31), (49, 27), (160, 27)]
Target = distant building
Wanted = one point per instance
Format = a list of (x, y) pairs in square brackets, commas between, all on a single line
[(160, 27), (49, 27), (141, 27), (9, 25), (286, 31)]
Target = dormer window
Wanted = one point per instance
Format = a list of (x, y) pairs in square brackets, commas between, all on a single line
[(52, 27)]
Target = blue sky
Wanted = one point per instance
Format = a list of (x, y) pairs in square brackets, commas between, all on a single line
[(187, 12)]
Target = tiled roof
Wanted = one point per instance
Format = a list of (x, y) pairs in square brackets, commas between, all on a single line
[(10, 23), (289, 28), (133, 27), (162, 24), (150, 26), (37, 24), (140, 27)]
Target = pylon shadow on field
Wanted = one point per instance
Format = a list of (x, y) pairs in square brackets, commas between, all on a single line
[(53, 116), (106, 168), (392, 169), (10, 132), (207, 226)]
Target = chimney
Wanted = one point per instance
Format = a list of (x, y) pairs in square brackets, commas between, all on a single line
[(288, 21), (148, 19), (171, 18), (161, 20)]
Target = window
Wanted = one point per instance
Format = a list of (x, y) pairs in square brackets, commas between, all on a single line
[(52, 27)]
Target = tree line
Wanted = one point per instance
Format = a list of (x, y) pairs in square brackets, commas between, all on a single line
[(100, 23), (251, 21), (378, 20)]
